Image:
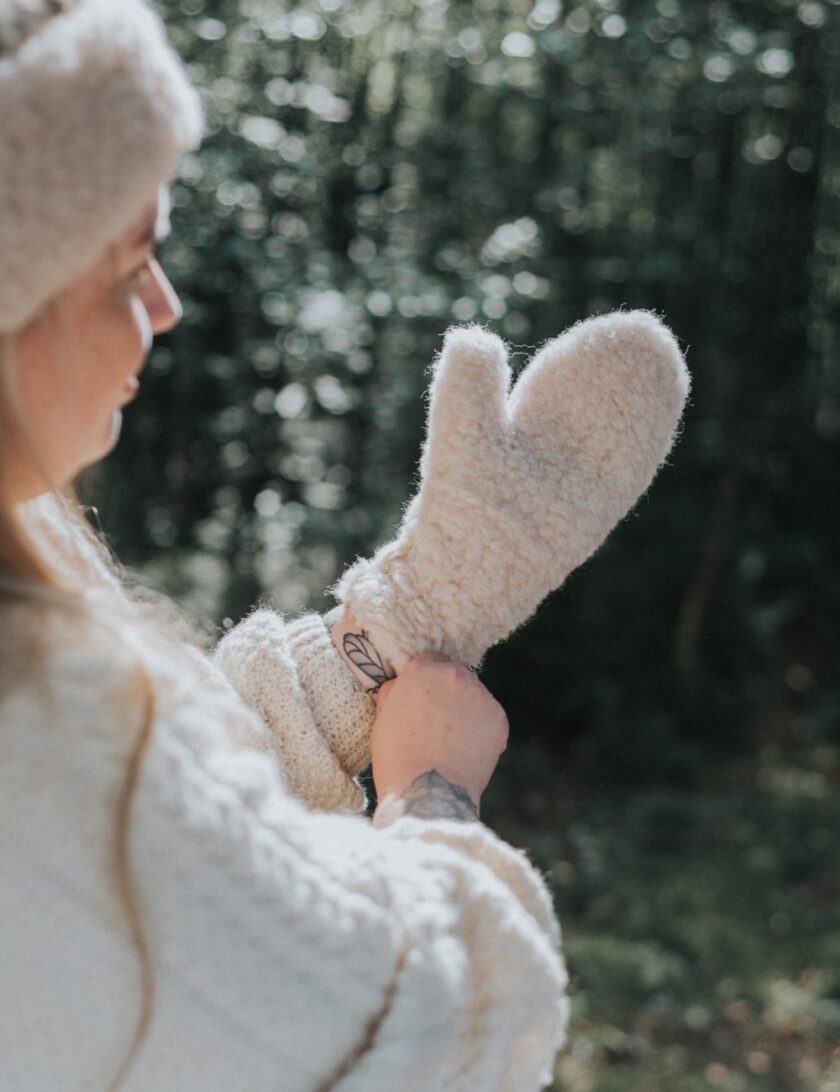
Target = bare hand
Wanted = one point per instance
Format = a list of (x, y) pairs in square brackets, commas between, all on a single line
[(436, 718)]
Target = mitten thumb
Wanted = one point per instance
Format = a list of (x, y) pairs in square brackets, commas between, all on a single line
[(467, 399)]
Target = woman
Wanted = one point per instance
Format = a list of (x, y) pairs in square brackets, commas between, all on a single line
[(190, 898)]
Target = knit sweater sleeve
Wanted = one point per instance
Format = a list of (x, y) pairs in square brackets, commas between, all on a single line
[(320, 721), (423, 956)]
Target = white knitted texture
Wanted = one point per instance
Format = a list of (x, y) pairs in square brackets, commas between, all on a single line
[(520, 486), (276, 933), (313, 717), (294, 678), (73, 557), (95, 111), (343, 713)]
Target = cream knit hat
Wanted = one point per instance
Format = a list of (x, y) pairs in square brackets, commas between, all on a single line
[(95, 111)]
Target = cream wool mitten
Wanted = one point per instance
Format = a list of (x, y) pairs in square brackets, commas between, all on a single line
[(518, 487), (292, 675)]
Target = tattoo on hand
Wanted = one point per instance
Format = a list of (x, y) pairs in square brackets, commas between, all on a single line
[(431, 796), (359, 649)]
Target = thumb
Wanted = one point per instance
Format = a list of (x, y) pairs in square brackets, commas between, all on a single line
[(467, 397), (382, 692)]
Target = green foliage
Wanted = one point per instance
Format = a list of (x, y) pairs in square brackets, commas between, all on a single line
[(701, 931), (376, 171)]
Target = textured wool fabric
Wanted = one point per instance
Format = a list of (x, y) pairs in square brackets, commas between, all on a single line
[(280, 935), (95, 111), (518, 487), (289, 671), (326, 720)]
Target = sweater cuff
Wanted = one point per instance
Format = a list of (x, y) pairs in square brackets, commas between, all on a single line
[(511, 865), (537, 990)]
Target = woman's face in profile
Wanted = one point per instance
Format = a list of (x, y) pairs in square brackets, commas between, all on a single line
[(77, 361)]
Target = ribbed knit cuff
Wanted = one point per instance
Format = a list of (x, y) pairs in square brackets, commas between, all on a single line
[(343, 713), (291, 689)]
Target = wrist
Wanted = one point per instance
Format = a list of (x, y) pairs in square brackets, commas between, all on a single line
[(388, 808), (389, 604), (429, 796), (355, 647)]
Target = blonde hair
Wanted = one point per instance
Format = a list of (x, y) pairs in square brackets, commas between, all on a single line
[(32, 583)]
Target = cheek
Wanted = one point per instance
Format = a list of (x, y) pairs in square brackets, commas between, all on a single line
[(114, 347), (120, 339), (71, 385), (38, 379), (116, 353), (49, 403)]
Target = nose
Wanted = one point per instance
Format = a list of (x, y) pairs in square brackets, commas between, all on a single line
[(161, 300)]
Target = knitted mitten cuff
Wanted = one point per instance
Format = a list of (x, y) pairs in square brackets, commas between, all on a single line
[(343, 713), (292, 676)]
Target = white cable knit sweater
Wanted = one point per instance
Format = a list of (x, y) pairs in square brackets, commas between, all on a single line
[(283, 927)]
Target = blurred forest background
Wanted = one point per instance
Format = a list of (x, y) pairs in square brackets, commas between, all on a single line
[(377, 171)]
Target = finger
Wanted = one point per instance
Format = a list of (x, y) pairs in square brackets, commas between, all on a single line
[(382, 692), (467, 398)]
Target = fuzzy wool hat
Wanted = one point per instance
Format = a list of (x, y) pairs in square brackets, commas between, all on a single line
[(96, 110)]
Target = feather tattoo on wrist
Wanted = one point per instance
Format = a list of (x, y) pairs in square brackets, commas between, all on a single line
[(361, 652), (353, 644)]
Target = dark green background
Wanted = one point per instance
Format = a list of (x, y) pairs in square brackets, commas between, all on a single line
[(376, 172)]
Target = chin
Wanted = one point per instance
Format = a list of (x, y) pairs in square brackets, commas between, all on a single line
[(107, 442), (109, 437)]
